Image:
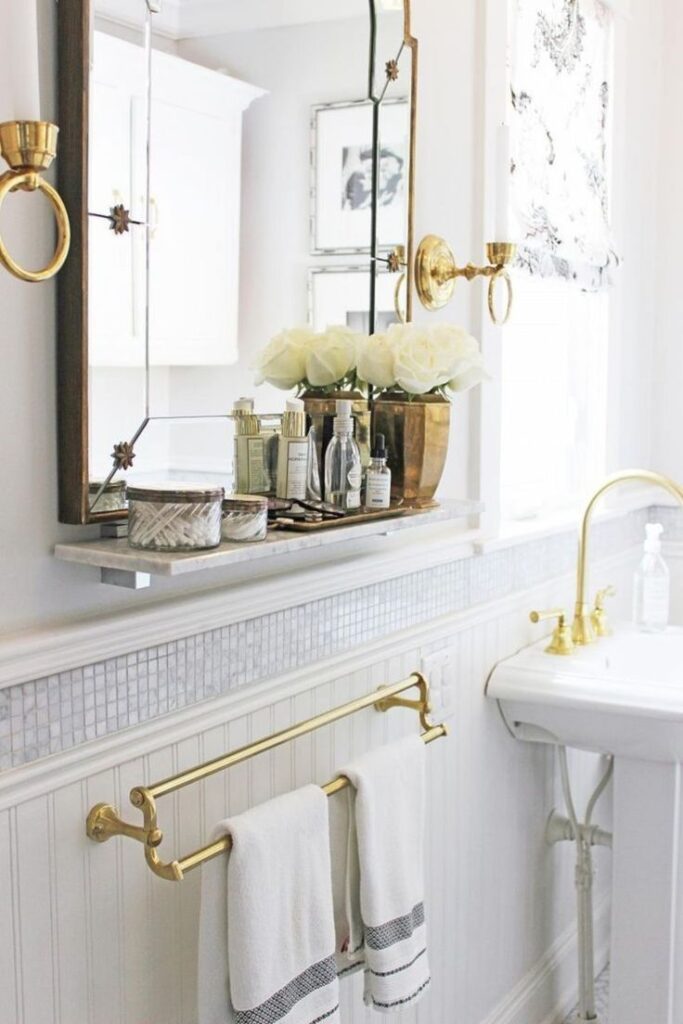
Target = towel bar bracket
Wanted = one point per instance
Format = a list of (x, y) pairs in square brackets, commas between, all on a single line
[(422, 705), (104, 822), (401, 702)]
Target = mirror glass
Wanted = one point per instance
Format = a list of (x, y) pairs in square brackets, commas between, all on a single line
[(248, 171)]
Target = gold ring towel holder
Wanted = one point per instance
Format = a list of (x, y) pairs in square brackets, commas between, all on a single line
[(104, 822), (436, 273), (29, 147)]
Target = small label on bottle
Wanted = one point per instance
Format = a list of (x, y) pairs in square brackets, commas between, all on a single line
[(251, 472), (258, 476), (378, 490), (297, 469)]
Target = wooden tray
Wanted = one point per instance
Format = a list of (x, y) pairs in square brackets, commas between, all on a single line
[(363, 516)]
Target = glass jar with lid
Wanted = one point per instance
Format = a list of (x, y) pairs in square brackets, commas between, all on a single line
[(107, 497), (245, 518), (174, 517)]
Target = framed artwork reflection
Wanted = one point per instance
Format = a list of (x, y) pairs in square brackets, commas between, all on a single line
[(341, 165), (340, 296)]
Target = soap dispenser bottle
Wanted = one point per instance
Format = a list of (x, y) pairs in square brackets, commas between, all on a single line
[(651, 584), (343, 467)]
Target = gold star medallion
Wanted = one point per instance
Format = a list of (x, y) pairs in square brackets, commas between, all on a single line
[(391, 67), (120, 219), (123, 455)]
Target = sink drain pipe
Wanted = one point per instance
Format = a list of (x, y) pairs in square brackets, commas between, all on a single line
[(585, 836)]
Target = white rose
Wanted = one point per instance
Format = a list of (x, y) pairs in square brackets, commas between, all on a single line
[(332, 356), (470, 373), (454, 349), (283, 361), (418, 366), (376, 362), (462, 359)]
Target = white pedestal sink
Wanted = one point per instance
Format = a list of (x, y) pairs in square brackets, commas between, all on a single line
[(623, 696)]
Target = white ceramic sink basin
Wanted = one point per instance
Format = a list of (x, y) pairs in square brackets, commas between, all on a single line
[(622, 695)]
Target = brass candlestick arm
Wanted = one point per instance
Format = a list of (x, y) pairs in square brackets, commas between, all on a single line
[(29, 147), (436, 272)]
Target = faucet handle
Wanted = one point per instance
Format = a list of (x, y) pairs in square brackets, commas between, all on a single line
[(599, 615), (561, 642)]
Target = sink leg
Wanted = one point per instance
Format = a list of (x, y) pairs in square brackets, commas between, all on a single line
[(647, 914)]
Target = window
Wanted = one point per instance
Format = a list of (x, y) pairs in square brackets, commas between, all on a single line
[(553, 354), (553, 396)]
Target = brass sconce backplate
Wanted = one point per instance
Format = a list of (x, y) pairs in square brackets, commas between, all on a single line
[(435, 272)]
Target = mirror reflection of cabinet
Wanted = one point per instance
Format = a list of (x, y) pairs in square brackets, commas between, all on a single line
[(117, 181), (230, 170), (194, 229)]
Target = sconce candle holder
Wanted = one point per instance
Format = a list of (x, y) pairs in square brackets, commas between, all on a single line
[(29, 147), (436, 273)]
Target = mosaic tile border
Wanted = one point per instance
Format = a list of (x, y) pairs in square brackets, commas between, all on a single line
[(56, 713)]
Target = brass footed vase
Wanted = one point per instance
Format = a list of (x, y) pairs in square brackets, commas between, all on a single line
[(417, 431)]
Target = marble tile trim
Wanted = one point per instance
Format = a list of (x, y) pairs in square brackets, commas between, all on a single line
[(53, 714)]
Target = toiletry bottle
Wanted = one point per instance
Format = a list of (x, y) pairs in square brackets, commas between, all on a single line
[(651, 584), (251, 463), (378, 477), (292, 462), (343, 468)]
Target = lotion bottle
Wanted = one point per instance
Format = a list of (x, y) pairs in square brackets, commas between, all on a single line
[(651, 584), (343, 467), (252, 475), (292, 462), (378, 477)]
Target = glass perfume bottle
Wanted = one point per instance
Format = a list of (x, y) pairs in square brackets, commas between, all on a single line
[(343, 468)]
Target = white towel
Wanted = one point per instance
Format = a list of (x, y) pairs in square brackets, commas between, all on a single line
[(266, 934), (387, 805)]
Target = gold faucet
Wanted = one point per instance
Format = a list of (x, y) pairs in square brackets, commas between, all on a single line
[(584, 625), (591, 623)]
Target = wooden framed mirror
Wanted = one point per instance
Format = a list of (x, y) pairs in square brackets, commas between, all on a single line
[(230, 170)]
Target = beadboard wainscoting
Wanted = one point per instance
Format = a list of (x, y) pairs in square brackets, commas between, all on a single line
[(89, 936)]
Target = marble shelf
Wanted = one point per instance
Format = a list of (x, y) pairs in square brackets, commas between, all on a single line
[(122, 566)]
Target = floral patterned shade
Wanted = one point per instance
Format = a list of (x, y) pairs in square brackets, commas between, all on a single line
[(560, 95)]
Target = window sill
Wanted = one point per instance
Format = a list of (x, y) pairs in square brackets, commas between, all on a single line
[(568, 520)]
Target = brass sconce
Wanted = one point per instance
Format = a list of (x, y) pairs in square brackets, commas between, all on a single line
[(29, 147), (436, 273)]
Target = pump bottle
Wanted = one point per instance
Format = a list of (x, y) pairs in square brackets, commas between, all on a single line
[(651, 585), (343, 467)]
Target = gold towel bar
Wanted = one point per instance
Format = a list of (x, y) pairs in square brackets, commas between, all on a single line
[(104, 821)]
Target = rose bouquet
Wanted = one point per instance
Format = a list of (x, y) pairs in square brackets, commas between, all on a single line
[(300, 358), (421, 360)]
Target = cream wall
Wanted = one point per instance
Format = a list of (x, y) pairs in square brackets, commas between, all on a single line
[(36, 590)]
